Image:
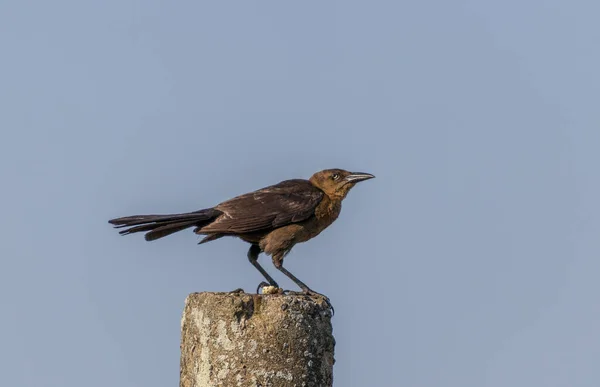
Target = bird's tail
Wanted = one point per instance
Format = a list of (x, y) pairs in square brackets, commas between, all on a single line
[(159, 226)]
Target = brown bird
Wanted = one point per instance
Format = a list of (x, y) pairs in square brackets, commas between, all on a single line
[(272, 219)]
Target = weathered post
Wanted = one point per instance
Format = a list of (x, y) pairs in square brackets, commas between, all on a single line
[(238, 339)]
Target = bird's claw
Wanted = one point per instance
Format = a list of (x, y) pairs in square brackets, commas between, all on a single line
[(268, 288), (260, 286), (236, 291), (312, 293)]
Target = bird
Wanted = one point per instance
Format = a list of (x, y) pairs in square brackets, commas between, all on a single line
[(271, 219)]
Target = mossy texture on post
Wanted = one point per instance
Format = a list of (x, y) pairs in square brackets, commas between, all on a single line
[(238, 339)]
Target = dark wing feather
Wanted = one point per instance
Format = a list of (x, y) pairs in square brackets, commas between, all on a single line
[(290, 201)]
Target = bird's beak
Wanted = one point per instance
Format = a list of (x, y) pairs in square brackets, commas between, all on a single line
[(355, 177)]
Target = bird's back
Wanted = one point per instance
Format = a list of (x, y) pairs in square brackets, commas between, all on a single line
[(290, 201)]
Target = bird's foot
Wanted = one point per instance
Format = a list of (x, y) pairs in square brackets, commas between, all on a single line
[(268, 288), (312, 293), (260, 286), (236, 291)]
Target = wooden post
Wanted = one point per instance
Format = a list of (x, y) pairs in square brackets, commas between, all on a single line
[(238, 339)]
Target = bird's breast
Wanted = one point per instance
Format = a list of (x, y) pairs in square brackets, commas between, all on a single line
[(284, 238), (326, 213)]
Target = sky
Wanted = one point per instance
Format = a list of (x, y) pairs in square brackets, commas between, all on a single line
[(472, 259)]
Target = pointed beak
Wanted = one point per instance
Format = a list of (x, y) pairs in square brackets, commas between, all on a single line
[(355, 177)]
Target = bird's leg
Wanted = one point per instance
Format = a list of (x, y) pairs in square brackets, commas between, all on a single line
[(253, 253), (305, 289), (300, 284)]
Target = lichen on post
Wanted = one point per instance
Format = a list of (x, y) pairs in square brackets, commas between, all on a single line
[(238, 339)]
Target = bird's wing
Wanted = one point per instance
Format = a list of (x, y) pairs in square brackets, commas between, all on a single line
[(288, 202)]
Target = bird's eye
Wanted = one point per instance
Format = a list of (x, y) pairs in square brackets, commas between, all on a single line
[(335, 176)]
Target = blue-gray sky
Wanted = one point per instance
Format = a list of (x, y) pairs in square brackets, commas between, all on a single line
[(472, 259)]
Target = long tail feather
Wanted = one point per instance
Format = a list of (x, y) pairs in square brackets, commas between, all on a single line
[(158, 226), (168, 229)]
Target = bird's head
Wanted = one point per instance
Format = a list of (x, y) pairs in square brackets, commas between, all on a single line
[(336, 183)]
